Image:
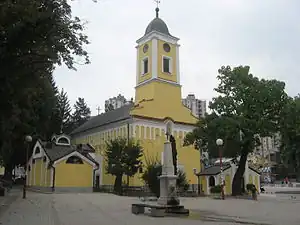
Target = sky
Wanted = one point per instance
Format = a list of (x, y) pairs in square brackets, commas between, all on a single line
[(264, 34)]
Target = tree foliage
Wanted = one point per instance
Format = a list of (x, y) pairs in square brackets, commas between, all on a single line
[(34, 37), (154, 170), (209, 129), (245, 107), (62, 113), (82, 113), (290, 135), (123, 158)]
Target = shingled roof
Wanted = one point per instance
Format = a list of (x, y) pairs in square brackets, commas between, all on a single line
[(213, 170), (116, 115), (56, 152)]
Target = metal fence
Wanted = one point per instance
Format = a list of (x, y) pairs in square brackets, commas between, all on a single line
[(144, 191)]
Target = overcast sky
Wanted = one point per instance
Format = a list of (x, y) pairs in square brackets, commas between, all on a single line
[(264, 34)]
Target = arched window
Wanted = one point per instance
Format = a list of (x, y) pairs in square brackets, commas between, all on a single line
[(37, 150), (63, 140), (74, 160), (211, 181)]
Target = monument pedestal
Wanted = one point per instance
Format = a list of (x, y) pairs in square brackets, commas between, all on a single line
[(168, 193), (167, 178), (166, 182)]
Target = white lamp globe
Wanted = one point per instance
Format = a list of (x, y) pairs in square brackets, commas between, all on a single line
[(219, 142), (28, 138)]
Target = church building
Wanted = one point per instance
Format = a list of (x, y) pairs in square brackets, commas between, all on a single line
[(157, 104)]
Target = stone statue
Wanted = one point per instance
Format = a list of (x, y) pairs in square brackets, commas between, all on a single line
[(174, 153)]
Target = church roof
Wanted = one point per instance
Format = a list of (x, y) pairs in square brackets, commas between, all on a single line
[(213, 170), (56, 152), (157, 24), (116, 115), (216, 169)]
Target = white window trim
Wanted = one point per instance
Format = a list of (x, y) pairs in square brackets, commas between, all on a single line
[(170, 66), (142, 66)]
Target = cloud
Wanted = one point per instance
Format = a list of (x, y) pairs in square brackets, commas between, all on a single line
[(262, 34)]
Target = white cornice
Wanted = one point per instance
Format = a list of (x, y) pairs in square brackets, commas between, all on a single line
[(158, 79), (158, 35), (162, 124)]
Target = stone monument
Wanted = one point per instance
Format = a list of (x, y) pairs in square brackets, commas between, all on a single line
[(167, 178), (168, 202)]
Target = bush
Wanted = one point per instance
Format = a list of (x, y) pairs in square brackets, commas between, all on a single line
[(153, 171), (182, 183), (216, 189), (251, 187), (150, 177)]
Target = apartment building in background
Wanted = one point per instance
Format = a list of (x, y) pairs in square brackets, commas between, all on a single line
[(269, 148), (197, 106), (115, 103)]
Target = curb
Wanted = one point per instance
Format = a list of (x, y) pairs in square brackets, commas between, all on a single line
[(38, 191)]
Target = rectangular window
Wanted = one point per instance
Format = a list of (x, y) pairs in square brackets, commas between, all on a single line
[(145, 66), (167, 65)]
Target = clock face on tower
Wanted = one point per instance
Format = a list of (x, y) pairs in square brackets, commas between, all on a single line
[(167, 47), (146, 47)]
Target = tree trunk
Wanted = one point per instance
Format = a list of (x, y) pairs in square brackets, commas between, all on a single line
[(8, 175), (118, 184), (238, 176)]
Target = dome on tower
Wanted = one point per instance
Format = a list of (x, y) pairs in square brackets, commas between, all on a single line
[(157, 24)]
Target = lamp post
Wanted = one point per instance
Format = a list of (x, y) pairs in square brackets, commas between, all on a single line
[(198, 178), (28, 140), (219, 143)]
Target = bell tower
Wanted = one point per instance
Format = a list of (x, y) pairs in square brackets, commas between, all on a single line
[(158, 88), (157, 56)]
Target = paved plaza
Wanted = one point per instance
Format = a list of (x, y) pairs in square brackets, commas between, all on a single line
[(105, 209)]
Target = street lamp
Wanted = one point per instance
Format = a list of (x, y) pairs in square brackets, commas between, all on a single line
[(28, 140), (219, 143), (198, 177)]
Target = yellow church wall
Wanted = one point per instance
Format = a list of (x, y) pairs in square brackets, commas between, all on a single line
[(73, 175), (141, 56), (166, 98), (48, 178), (204, 184), (38, 168), (228, 184), (39, 174), (2, 170), (256, 182), (172, 55), (152, 141), (250, 179)]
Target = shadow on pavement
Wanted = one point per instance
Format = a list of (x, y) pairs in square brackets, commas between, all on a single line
[(210, 216)]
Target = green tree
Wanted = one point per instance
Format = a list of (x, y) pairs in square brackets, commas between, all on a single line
[(212, 127), (246, 107), (34, 36), (123, 158), (82, 113), (154, 170), (63, 112), (290, 135)]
